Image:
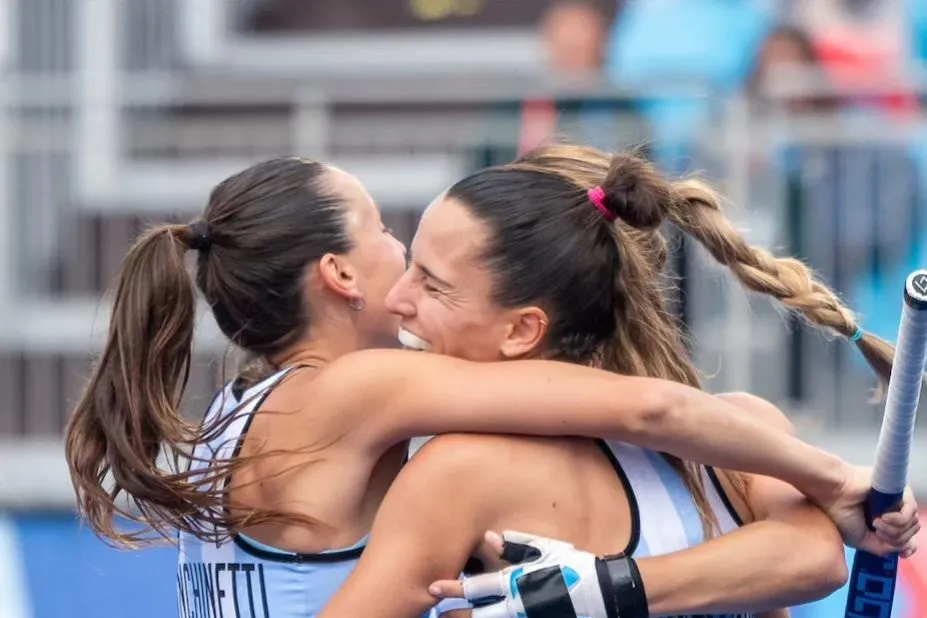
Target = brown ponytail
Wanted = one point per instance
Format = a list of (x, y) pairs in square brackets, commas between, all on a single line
[(599, 277), (649, 339), (697, 211), (130, 407), (260, 231), (642, 199)]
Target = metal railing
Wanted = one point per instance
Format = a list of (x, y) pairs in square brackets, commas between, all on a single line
[(96, 139)]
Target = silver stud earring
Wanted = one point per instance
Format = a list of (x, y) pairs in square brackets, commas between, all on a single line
[(356, 304)]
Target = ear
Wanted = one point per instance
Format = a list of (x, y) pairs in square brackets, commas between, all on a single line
[(525, 332), (338, 275)]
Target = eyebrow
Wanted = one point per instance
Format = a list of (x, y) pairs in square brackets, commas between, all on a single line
[(431, 275)]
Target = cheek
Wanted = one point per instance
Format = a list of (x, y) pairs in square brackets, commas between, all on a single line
[(387, 264), (464, 336)]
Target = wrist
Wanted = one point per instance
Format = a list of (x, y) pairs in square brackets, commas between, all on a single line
[(622, 587), (829, 480)]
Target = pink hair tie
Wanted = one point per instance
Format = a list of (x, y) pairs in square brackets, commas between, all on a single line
[(597, 197)]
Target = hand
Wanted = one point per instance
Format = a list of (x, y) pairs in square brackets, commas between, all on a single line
[(576, 568), (894, 532)]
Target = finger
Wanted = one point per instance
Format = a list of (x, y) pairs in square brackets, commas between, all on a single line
[(484, 585), (909, 506), (910, 550), (447, 589), (874, 545), (495, 541), (909, 495), (522, 538), (906, 537), (495, 610), (897, 536), (895, 521), (520, 547), (907, 513), (878, 547), (907, 510)]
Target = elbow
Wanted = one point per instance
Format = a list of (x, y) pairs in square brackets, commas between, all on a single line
[(662, 420), (834, 572), (664, 412), (825, 570)]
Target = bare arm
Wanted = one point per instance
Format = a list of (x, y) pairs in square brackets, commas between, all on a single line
[(417, 539), (791, 554), (395, 395)]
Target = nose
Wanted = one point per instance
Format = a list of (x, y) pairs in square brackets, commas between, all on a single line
[(400, 299)]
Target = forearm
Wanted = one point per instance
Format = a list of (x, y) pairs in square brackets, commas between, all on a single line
[(709, 430), (781, 569), (422, 395)]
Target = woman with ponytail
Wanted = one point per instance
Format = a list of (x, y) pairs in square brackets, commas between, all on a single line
[(272, 496), (560, 256)]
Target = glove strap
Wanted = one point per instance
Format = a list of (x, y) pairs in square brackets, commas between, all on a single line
[(622, 587)]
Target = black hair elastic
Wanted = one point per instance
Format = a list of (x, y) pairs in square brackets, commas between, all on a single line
[(200, 238)]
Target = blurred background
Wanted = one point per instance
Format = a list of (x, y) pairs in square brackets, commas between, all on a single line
[(808, 114)]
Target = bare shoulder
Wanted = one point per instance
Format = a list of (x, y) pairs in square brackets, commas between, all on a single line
[(460, 469), (492, 462), (356, 382), (464, 452), (372, 376), (364, 367)]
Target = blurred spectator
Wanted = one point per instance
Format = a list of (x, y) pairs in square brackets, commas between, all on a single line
[(852, 209), (788, 52), (573, 35), (862, 43), (707, 43)]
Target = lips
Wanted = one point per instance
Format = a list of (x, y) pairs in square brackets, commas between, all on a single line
[(413, 341)]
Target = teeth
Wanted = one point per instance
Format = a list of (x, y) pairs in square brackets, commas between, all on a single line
[(413, 341)]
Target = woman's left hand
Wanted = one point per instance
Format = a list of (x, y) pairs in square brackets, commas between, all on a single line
[(894, 532)]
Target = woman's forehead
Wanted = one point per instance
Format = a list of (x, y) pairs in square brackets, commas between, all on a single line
[(447, 233)]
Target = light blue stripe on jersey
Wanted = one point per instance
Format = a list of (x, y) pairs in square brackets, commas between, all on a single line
[(242, 578), (681, 497), (666, 512), (643, 550)]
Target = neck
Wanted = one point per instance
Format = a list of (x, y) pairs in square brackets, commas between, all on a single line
[(321, 346)]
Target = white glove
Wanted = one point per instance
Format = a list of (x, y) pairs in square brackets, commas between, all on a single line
[(552, 578)]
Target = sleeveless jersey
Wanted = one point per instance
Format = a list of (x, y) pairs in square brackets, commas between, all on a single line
[(242, 578), (664, 517), (239, 577)]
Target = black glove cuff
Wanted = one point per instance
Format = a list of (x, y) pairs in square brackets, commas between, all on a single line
[(622, 587)]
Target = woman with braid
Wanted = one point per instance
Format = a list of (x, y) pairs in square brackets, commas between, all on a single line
[(277, 488), (559, 255)]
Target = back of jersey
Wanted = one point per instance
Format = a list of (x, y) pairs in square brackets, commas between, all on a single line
[(240, 577)]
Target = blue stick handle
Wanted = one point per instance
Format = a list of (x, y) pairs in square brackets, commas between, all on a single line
[(872, 579)]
